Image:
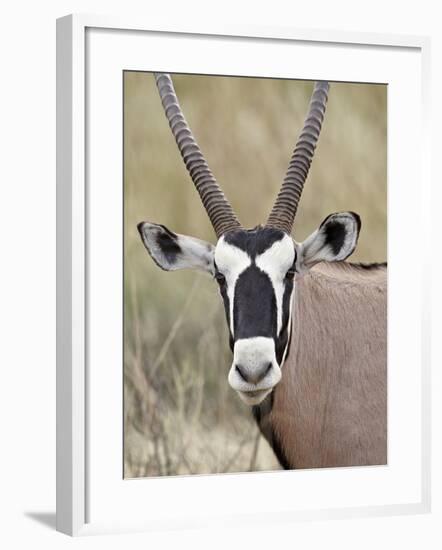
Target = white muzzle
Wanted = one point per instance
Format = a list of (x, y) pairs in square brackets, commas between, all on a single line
[(255, 371)]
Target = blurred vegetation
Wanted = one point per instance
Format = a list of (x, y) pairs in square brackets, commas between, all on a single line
[(180, 414)]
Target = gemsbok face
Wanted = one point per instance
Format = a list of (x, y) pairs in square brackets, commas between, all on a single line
[(256, 269)]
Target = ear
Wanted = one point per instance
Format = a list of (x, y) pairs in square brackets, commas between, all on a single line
[(334, 241), (171, 251)]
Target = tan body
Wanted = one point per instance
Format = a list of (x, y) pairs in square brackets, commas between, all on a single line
[(330, 408)]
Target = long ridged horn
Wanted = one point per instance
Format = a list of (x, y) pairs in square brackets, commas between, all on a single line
[(286, 204), (218, 208)]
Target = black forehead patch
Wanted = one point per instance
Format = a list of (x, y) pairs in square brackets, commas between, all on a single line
[(254, 241), (254, 307)]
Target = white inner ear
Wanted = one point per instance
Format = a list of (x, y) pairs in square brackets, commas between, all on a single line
[(193, 253), (316, 249)]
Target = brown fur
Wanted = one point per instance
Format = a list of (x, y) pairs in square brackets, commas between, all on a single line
[(330, 408)]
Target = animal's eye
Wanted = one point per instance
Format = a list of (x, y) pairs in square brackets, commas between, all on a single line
[(220, 278), (290, 274)]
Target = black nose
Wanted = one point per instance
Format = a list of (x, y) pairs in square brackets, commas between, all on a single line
[(253, 375)]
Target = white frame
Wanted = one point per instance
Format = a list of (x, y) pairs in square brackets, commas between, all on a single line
[(72, 475)]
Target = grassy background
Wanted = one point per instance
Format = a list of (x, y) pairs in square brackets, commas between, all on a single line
[(180, 414)]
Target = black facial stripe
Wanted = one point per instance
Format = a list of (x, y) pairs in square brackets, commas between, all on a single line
[(254, 307), (281, 341), (226, 302)]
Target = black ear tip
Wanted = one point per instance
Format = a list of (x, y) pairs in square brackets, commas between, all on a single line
[(140, 228), (357, 217)]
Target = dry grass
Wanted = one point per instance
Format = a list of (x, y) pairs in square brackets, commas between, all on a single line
[(180, 415)]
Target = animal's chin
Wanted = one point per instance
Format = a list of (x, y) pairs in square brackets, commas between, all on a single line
[(254, 397)]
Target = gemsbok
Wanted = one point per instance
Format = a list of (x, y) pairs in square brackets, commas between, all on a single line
[(307, 330)]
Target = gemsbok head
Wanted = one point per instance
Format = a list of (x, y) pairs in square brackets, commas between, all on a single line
[(257, 269)]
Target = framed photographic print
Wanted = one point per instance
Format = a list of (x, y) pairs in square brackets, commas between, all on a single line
[(228, 323)]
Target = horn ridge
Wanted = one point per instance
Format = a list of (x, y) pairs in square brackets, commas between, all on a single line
[(218, 208), (284, 210)]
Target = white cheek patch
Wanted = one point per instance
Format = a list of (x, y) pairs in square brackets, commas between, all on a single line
[(231, 262), (275, 262)]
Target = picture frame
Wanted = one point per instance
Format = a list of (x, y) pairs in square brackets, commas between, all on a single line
[(92, 496)]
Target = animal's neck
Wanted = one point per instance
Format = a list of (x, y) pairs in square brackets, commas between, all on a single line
[(338, 339)]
